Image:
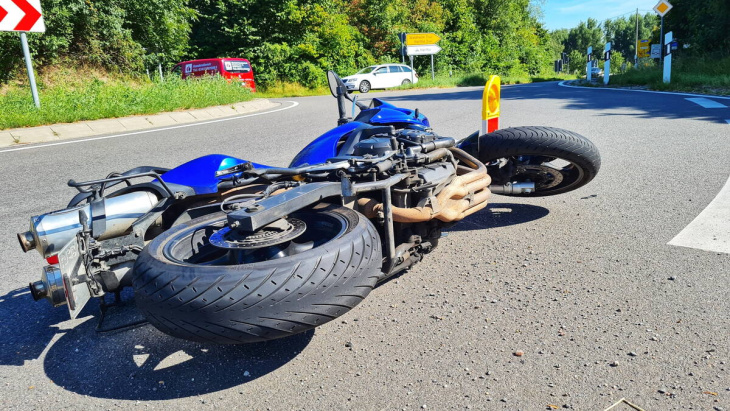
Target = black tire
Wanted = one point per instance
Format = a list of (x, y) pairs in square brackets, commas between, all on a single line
[(556, 160), (230, 304), (405, 82), (364, 86)]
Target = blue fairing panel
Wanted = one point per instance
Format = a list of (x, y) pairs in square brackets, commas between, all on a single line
[(199, 174), (324, 147), (386, 113)]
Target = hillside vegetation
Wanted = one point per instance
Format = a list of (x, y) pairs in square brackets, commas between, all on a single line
[(286, 41)]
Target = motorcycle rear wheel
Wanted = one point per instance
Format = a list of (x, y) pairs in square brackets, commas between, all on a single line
[(188, 288), (556, 160)]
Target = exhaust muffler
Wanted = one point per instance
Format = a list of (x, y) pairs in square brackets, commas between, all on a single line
[(107, 218)]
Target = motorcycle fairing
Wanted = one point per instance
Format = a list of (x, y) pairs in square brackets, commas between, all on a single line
[(324, 147), (199, 174), (386, 113)]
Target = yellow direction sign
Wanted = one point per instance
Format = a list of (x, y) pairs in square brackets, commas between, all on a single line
[(662, 8), (421, 39), (643, 48)]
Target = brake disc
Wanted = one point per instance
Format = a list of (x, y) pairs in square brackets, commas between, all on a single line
[(278, 232), (543, 176)]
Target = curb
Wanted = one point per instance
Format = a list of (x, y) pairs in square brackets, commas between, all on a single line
[(65, 131)]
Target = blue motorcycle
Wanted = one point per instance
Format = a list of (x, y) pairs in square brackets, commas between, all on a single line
[(228, 251)]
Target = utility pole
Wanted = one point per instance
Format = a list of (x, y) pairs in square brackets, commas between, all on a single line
[(636, 43)]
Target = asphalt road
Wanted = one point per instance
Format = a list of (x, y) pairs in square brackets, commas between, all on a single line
[(583, 284)]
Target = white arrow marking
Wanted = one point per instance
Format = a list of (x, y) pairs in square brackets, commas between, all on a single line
[(706, 103), (710, 231), (15, 14)]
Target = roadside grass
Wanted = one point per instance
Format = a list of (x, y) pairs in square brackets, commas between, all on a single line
[(71, 95), (688, 75), (67, 97)]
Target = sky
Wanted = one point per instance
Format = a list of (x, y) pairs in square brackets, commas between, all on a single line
[(567, 14)]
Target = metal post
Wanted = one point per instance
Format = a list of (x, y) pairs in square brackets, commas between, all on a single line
[(402, 38), (159, 68), (433, 76), (29, 66), (636, 43), (661, 41), (411, 69)]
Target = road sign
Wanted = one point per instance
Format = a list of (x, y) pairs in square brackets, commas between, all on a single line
[(643, 48), (662, 8), (21, 15), (424, 50), (421, 39), (656, 51)]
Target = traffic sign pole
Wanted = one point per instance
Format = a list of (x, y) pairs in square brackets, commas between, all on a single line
[(24, 16), (661, 41), (433, 75), (411, 69), (29, 66)]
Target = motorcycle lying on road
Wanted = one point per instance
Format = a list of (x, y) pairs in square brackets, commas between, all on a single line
[(224, 250)]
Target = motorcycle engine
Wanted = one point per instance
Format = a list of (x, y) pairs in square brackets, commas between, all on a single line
[(416, 136), (374, 146)]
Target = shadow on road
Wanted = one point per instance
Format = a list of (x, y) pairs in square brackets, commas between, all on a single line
[(145, 364), (501, 215), (26, 326), (140, 364)]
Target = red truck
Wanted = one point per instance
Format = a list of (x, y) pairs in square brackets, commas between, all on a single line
[(233, 69)]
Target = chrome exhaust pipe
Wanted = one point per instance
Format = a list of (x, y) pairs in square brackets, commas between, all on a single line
[(108, 218), (50, 287), (513, 188)]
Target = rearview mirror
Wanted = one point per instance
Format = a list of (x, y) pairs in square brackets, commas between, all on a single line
[(334, 81)]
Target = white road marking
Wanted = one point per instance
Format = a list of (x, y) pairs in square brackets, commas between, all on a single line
[(706, 103), (710, 230), (294, 104), (563, 84)]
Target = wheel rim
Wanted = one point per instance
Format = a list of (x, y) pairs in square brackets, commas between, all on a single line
[(364, 87), (405, 82), (192, 246), (548, 173)]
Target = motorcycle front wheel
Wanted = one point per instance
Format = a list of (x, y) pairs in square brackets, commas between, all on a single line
[(191, 289), (555, 160)]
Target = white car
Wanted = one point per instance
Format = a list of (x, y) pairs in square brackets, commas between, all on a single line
[(381, 76)]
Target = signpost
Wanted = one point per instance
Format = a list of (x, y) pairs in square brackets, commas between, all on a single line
[(422, 44), (588, 65), (656, 51), (421, 39), (668, 59), (23, 16), (607, 63), (662, 8), (643, 48), (426, 50)]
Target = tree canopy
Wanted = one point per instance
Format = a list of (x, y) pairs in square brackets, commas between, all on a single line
[(297, 40)]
